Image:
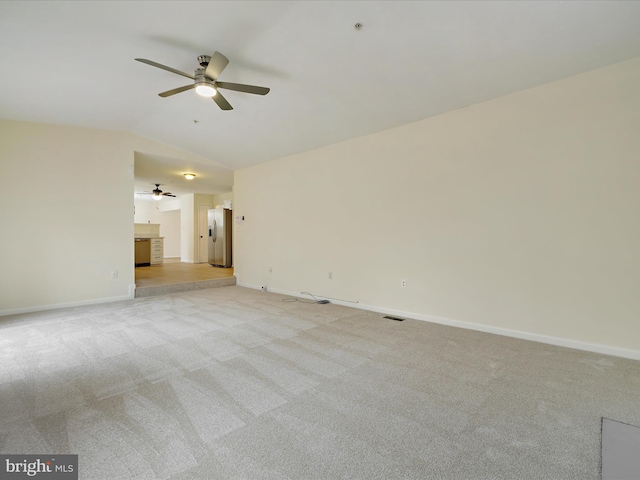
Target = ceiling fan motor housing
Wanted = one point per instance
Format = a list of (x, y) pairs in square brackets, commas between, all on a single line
[(202, 79)]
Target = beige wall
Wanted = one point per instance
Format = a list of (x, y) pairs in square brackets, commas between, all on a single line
[(170, 230), (66, 214), (187, 223), (518, 215), (220, 199), (146, 211)]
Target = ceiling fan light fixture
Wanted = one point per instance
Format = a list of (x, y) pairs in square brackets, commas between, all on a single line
[(157, 196), (189, 176), (205, 89)]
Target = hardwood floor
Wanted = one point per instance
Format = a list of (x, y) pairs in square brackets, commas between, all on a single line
[(175, 272)]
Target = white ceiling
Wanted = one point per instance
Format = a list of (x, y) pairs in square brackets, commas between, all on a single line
[(329, 82)]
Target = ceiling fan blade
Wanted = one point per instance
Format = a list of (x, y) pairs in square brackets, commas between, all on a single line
[(168, 194), (216, 65), (239, 87), (221, 101), (164, 67), (168, 93)]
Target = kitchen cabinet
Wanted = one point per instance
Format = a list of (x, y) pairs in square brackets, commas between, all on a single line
[(157, 251)]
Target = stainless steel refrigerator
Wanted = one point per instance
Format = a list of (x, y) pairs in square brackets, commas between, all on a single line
[(220, 237)]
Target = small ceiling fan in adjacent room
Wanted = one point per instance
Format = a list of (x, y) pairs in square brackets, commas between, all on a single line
[(205, 79), (157, 193)]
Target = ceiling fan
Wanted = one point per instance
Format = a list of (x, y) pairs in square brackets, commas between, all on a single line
[(157, 193), (205, 79)]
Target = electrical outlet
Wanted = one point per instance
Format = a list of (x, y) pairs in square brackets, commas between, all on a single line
[(330, 275), (114, 274), (403, 283)]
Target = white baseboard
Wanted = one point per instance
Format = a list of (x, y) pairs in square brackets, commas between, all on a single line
[(55, 306), (534, 337)]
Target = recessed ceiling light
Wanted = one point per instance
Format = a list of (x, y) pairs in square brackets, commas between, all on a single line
[(189, 176)]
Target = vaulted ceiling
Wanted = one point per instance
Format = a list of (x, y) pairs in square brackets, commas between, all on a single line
[(73, 63)]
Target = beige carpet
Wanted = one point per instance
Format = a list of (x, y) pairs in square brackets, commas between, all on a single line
[(231, 383)]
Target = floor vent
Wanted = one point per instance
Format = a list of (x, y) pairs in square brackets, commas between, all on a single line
[(394, 318)]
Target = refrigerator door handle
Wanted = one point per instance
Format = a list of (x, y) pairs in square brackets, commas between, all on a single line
[(215, 231)]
